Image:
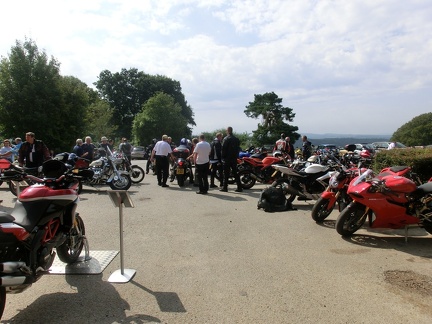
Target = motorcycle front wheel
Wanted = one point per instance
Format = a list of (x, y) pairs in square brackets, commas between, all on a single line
[(122, 183), (137, 174), (246, 179), (70, 250), (13, 186), (351, 219), (321, 210)]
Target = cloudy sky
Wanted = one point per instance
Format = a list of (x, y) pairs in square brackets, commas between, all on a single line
[(346, 67)]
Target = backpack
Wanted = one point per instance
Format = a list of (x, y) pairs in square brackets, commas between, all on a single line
[(273, 199)]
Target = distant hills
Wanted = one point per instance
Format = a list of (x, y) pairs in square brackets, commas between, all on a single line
[(342, 139)]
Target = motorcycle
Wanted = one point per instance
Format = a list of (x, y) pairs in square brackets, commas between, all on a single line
[(106, 170), (135, 172), (387, 201), (181, 168), (251, 170), (43, 219), (307, 184), (16, 176)]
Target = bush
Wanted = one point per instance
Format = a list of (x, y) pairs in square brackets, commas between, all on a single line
[(419, 159)]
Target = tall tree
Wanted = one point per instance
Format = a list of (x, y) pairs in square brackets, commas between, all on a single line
[(417, 131), (35, 97), (159, 115), (273, 115), (128, 90)]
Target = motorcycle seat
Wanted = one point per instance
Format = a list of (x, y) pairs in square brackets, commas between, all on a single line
[(6, 218), (425, 188)]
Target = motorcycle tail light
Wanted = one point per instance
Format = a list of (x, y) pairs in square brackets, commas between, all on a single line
[(180, 163)]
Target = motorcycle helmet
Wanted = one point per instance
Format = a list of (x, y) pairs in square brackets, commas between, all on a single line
[(184, 142)]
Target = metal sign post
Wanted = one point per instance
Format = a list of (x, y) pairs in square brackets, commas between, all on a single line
[(120, 198)]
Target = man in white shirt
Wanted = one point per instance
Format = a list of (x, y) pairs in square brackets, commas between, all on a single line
[(201, 157), (161, 151)]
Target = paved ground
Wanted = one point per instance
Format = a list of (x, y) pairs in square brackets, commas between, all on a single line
[(217, 259)]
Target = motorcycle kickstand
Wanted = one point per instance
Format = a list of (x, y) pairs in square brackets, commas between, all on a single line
[(87, 256)]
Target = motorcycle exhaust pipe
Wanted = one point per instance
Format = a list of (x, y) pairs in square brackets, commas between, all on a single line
[(11, 267), (12, 281)]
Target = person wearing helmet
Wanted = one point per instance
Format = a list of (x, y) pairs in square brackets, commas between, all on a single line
[(149, 151), (216, 160), (182, 152)]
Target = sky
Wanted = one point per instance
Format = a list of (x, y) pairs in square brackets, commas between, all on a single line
[(344, 67)]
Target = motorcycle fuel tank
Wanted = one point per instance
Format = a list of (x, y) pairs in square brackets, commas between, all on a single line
[(399, 184), (315, 168)]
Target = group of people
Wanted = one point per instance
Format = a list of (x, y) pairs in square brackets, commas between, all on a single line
[(284, 146), (222, 154)]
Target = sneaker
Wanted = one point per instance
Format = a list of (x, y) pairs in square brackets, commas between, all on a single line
[(223, 189)]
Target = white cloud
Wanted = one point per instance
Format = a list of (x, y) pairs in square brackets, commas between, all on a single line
[(329, 60)]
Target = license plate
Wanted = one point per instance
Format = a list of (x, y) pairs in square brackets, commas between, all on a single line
[(180, 171)]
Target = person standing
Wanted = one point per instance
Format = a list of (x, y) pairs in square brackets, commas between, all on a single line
[(33, 152), (202, 161), (78, 149), (160, 152), (88, 148), (16, 147), (6, 152), (281, 145), (126, 148), (290, 148), (230, 151), (306, 148), (216, 160)]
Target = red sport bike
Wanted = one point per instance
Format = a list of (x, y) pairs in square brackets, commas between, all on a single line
[(44, 220)]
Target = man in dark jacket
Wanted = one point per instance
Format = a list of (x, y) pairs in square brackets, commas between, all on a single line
[(216, 160), (230, 151), (33, 152)]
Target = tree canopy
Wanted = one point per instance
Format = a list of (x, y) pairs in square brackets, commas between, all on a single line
[(269, 107), (161, 114), (416, 132), (128, 90), (35, 97)]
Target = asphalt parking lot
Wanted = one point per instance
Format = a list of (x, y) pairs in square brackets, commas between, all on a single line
[(217, 259)]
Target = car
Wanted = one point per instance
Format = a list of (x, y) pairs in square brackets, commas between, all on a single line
[(385, 145), (139, 152), (357, 148), (327, 147)]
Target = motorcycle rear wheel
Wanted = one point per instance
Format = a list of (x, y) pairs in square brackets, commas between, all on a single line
[(246, 180), (137, 174), (351, 219), (122, 183), (320, 210), (70, 250), (2, 300), (181, 180)]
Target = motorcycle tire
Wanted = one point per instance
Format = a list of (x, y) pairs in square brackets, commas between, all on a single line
[(2, 300), (137, 174), (281, 183), (70, 250), (321, 210), (122, 183), (13, 186), (351, 219), (246, 179), (181, 180)]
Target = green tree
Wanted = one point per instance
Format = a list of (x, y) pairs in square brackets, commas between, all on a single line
[(128, 90), (99, 115), (159, 115), (268, 106), (416, 132), (35, 97)]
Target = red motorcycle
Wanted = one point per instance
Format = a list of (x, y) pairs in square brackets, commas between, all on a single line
[(251, 170), (387, 201), (44, 218), (336, 191)]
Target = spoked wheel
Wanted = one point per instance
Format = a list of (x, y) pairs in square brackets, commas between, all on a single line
[(246, 179), (123, 182), (321, 210), (351, 219), (281, 183), (71, 249), (137, 174)]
